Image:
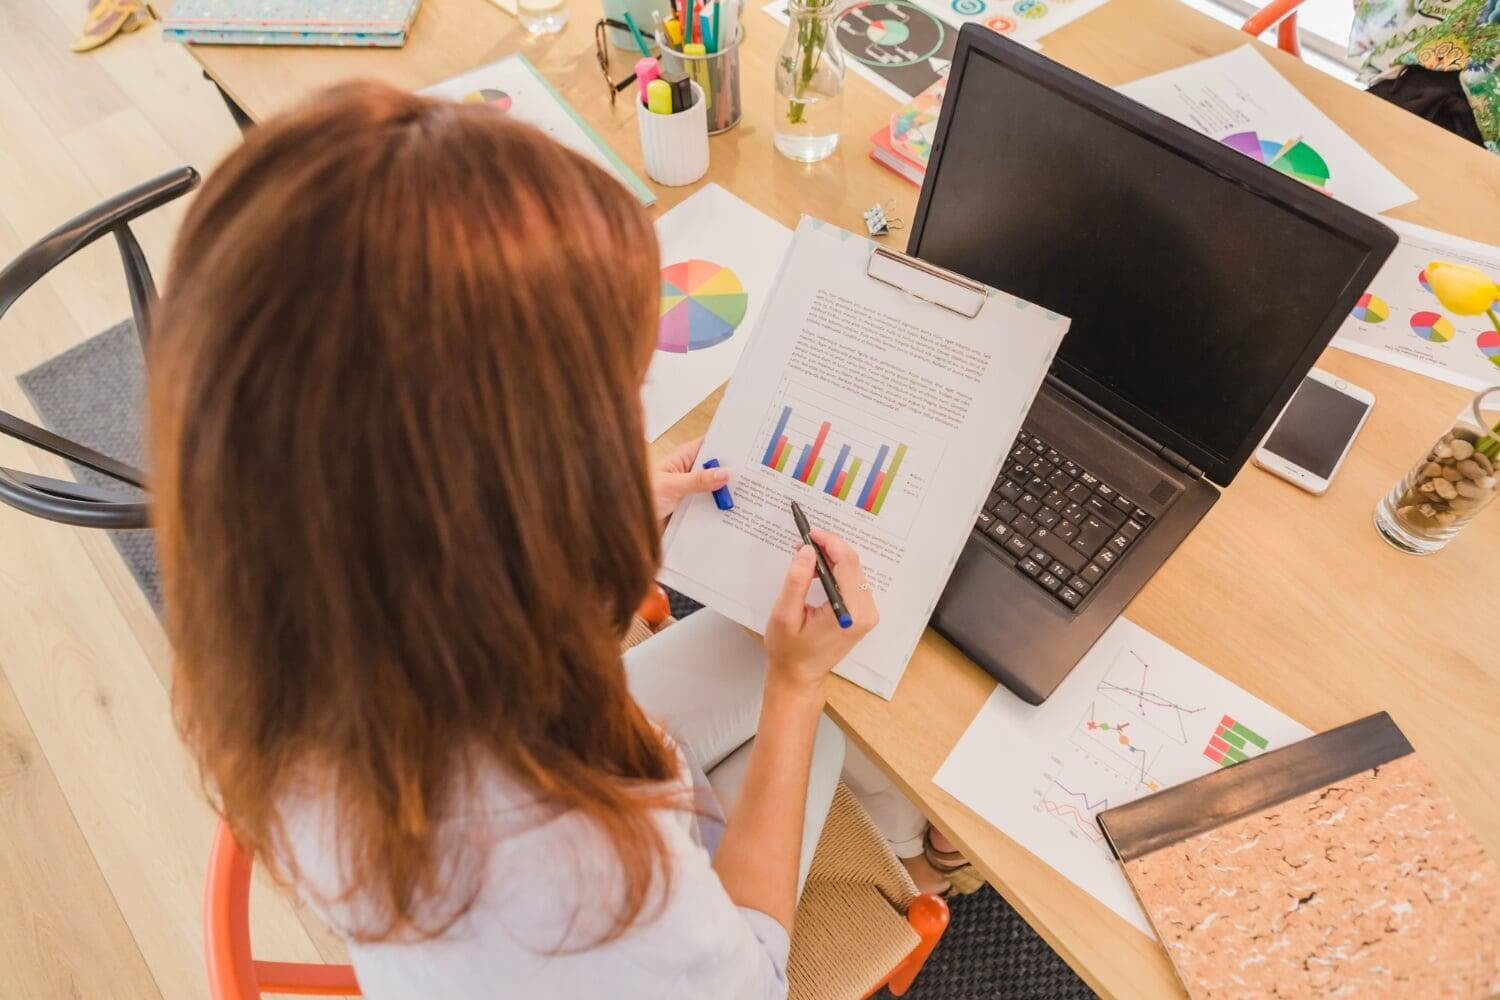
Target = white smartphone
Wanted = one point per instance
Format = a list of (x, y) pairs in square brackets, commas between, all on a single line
[(1313, 435)]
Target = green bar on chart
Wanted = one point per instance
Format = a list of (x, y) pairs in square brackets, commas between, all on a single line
[(786, 453), (890, 477), (1246, 733), (817, 467), (849, 479)]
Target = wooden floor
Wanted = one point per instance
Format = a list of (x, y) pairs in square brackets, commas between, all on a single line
[(104, 829)]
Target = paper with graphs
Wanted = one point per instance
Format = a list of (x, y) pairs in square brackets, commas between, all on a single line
[(1135, 716), (1400, 322), (1239, 99)]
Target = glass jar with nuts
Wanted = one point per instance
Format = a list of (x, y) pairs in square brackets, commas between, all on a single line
[(1451, 484)]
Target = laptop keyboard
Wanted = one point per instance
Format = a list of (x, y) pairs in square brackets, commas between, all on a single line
[(1063, 527)]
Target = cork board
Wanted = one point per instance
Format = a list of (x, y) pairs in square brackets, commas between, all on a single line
[(1370, 886)]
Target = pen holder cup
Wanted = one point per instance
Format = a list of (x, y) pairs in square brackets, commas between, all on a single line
[(675, 147), (718, 73), (640, 12)]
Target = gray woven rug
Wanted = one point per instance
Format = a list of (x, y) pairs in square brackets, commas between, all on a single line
[(94, 394)]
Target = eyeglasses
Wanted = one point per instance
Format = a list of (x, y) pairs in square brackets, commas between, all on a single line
[(601, 52)]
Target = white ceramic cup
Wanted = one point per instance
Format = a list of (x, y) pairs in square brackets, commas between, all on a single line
[(675, 147)]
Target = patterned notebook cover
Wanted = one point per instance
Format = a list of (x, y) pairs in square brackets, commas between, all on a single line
[(1333, 867), (914, 125), (324, 17)]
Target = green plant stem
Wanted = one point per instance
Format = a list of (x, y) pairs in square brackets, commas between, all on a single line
[(811, 40)]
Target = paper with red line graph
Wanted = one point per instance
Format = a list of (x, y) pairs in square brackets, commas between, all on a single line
[(1135, 716)]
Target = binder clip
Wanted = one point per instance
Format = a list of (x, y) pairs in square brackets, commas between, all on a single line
[(878, 219)]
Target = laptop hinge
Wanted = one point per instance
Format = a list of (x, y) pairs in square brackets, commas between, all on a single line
[(1140, 437)]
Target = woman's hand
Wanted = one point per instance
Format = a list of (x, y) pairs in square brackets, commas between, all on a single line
[(804, 643), (674, 478)]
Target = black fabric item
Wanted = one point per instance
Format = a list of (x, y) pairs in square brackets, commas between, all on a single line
[(990, 953), (1435, 96), (682, 605)]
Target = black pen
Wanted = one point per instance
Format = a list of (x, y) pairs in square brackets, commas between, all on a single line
[(830, 586)]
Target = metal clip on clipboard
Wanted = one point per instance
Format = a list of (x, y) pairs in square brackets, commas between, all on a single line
[(921, 280)]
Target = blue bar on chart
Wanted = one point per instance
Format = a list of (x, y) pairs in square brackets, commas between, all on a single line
[(869, 486), (778, 438), (838, 466), (806, 463), (803, 461)]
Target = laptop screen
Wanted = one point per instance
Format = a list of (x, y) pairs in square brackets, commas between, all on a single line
[(1198, 300)]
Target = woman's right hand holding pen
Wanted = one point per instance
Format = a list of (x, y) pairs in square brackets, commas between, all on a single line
[(804, 643)]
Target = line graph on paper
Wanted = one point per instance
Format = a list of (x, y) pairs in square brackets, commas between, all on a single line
[(1127, 741), (1128, 684), (1072, 808), (1136, 717)]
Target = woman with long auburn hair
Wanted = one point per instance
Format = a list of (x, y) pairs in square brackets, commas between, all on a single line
[(405, 513)]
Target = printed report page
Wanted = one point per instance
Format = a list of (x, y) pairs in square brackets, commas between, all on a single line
[(885, 416)]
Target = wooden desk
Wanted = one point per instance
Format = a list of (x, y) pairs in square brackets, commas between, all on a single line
[(1290, 596)]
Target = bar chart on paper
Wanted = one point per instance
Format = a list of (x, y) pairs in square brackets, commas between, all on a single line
[(847, 455), (1135, 717)]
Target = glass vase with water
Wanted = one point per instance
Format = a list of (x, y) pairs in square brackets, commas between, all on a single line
[(809, 83), (542, 17)]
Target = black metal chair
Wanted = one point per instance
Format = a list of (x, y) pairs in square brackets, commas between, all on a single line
[(58, 499)]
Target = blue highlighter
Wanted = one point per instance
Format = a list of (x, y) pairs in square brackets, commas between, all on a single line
[(721, 495)]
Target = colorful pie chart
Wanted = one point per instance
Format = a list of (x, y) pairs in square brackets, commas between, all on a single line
[(1488, 343), (1370, 308), (702, 304), (1422, 280), (884, 32), (1295, 158), (1432, 326), (497, 99)]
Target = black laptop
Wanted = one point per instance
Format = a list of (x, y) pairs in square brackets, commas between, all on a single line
[(1202, 286)]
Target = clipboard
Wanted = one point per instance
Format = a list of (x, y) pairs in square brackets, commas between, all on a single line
[(928, 283)]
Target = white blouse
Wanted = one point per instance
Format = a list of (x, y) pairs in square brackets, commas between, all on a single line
[(549, 882)]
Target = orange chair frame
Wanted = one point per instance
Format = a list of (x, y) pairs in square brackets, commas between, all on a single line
[(928, 916), (232, 973), (1283, 14)]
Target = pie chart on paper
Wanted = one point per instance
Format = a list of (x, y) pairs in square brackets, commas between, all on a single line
[(1488, 343), (1370, 308), (1432, 326), (702, 304), (497, 99), (1295, 158), (890, 32)]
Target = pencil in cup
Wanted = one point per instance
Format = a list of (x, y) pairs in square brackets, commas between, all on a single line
[(718, 73), (640, 11)]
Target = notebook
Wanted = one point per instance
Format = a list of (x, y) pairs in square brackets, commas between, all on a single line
[(381, 23), (1332, 867), (905, 143)]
